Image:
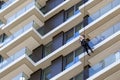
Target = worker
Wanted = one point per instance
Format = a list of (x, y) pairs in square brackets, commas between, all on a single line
[(85, 45)]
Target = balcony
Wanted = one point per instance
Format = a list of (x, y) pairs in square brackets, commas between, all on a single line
[(17, 34), (101, 20), (25, 36), (16, 63), (20, 12), (103, 10), (103, 65), (110, 31), (14, 58)]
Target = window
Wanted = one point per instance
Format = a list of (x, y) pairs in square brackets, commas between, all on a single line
[(3, 37), (43, 9), (48, 49), (46, 73), (1, 59), (77, 28), (73, 10), (68, 35), (76, 8), (79, 77), (1, 22), (72, 33), (72, 58), (78, 51), (69, 60), (70, 12), (1, 3)]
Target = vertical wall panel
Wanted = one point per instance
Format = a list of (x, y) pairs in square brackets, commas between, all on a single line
[(54, 21), (56, 67), (50, 4), (86, 72), (37, 53), (58, 41), (36, 75)]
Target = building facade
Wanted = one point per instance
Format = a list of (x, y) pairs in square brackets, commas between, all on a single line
[(39, 39)]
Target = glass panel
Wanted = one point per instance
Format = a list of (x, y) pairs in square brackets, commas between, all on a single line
[(77, 53), (1, 59), (105, 9), (41, 31), (11, 18), (18, 33), (115, 3), (69, 60), (94, 16), (95, 68), (69, 35), (109, 60), (20, 12), (1, 38), (21, 76), (43, 10), (106, 34), (70, 12), (6, 4), (77, 28), (77, 7), (116, 27), (29, 6), (48, 48), (79, 77), (46, 73)]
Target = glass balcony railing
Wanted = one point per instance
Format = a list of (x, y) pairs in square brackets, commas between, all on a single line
[(21, 76), (18, 33), (6, 4), (103, 10), (104, 63), (20, 12), (14, 57), (105, 34)]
